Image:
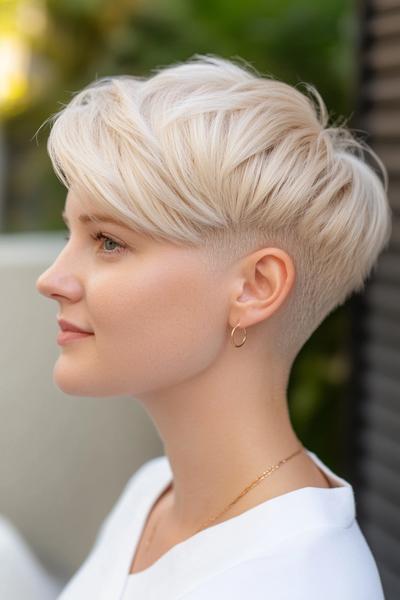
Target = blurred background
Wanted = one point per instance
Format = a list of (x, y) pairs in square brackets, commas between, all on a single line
[(64, 460)]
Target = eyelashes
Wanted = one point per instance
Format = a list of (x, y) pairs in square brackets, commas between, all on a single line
[(100, 236)]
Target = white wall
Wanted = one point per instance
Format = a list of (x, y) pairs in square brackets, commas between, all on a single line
[(63, 460)]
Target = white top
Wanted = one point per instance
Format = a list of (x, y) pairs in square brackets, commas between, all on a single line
[(302, 545)]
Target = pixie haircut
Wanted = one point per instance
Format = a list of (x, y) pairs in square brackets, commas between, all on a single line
[(211, 154)]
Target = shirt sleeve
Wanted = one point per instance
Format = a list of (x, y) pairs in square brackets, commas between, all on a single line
[(336, 564)]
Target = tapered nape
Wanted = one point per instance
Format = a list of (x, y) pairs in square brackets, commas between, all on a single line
[(210, 153)]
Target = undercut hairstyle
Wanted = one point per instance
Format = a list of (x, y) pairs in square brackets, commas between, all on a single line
[(210, 153)]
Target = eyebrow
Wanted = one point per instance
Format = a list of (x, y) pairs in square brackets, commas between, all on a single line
[(97, 218)]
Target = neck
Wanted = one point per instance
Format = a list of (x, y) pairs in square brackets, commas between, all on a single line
[(220, 432)]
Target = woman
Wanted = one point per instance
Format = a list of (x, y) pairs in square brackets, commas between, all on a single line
[(237, 221)]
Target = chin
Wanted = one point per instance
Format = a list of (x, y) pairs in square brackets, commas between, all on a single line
[(74, 383), (72, 387)]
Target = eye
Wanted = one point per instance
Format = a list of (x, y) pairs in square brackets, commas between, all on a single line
[(99, 235)]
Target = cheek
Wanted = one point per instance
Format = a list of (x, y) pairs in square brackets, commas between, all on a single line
[(162, 326)]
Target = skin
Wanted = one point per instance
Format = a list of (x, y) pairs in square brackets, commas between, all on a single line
[(162, 322)]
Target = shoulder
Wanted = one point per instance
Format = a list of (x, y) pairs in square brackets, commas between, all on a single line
[(145, 472), (329, 563), (135, 487)]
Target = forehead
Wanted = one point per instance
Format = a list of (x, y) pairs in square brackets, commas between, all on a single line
[(80, 201), (87, 211)]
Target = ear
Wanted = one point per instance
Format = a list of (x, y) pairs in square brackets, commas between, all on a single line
[(264, 281)]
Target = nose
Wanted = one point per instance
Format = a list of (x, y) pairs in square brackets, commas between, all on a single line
[(59, 281)]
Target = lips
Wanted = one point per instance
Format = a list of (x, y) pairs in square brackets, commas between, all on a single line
[(67, 326)]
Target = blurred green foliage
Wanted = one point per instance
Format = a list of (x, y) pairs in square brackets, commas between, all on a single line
[(294, 40)]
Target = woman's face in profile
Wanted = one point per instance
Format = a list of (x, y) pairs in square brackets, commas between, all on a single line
[(157, 313)]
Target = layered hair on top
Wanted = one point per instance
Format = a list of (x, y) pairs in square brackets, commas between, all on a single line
[(210, 153)]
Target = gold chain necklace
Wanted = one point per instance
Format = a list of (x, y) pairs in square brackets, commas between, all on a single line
[(242, 493)]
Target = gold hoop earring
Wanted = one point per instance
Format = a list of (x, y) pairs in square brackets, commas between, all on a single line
[(233, 333)]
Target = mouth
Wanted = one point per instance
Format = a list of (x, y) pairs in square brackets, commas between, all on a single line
[(64, 337), (70, 332)]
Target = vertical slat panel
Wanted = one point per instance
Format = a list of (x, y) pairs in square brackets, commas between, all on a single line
[(374, 431)]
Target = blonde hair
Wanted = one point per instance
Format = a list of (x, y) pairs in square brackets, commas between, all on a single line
[(210, 153)]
